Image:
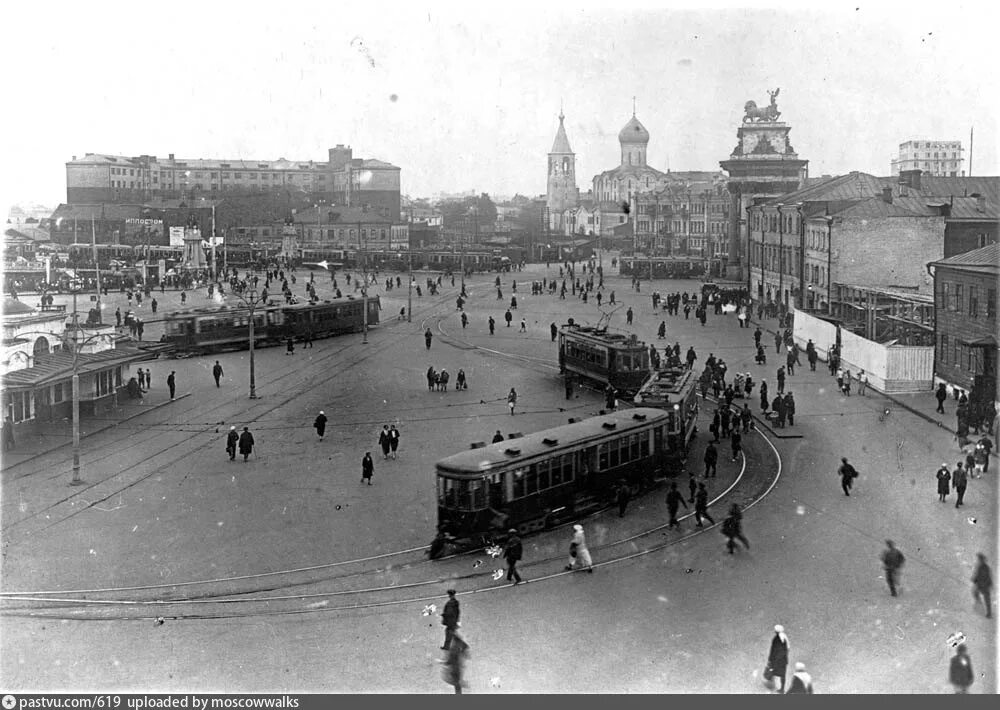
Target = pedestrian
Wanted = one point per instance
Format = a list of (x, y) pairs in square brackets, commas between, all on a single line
[(498, 437), (847, 383), (428, 336), (511, 400), (383, 440), (118, 317), (579, 555), (493, 325), (941, 395), (777, 659), (449, 619), (736, 441), (790, 408), (454, 664), (943, 477), (289, 346), (701, 505), (171, 383), (246, 443), (675, 499), (757, 334), (777, 342), (801, 681), (628, 315), (320, 424), (512, 552), (523, 326), (217, 372), (986, 446), (553, 331), (982, 580), (711, 458), (960, 480), (232, 439), (149, 379), (661, 331), (508, 316), (781, 379), (393, 440), (764, 401), (692, 488), (892, 562), (960, 670), (862, 383), (8, 434), (623, 495), (847, 475), (367, 468)]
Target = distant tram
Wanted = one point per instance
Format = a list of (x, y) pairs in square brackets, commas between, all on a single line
[(669, 267), (675, 391), (204, 330), (552, 476), (592, 353)]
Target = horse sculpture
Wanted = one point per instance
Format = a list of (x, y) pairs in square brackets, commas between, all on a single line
[(770, 113)]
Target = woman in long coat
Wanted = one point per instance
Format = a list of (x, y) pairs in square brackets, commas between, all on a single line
[(246, 443), (944, 482), (777, 659), (764, 401), (578, 551)]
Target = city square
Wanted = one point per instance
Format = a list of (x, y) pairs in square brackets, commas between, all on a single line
[(141, 555)]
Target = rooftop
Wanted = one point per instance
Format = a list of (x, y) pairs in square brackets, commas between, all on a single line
[(986, 258)]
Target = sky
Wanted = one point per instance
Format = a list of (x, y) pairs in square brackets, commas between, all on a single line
[(468, 99)]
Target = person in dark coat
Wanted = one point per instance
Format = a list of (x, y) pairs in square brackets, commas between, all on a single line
[(554, 331), (811, 355), (701, 505), (449, 619), (246, 443), (982, 580), (777, 658), (943, 477), (320, 424), (711, 459), (736, 441), (289, 346), (675, 499), (367, 468), (781, 379), (764, 401), (801, 681), (498, 437), (508, 316), (847, 476), (960, 670), (383, 440), (960, 480), (623, 495), (512, 552), (171, 383), (393, 440), (493, 325), (428, 337), (892, 561), (790, 408), (454, 664), (778, 405), (232, 439), (941, 395), (217, 373)]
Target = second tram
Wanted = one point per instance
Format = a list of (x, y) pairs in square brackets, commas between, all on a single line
[(675, 391), (592, 353)]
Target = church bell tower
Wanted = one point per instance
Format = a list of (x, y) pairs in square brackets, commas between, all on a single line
[(562, 193)]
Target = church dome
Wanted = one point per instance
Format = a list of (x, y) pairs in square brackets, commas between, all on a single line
[(633, 132)]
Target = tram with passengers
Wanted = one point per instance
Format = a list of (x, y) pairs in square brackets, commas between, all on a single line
[(592, 353), (543, 479), (673, 389), (205, 330)]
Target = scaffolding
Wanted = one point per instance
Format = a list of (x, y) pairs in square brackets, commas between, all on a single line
[(885, 314)]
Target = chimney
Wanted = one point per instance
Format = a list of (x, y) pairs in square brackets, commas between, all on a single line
[(887, 194), (74, 157), (171, 157), (911, 178)]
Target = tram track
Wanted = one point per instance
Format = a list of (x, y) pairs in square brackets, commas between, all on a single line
[(385, 586)]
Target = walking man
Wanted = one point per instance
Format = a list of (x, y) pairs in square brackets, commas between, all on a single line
[(217, 372), (701, 505), (847, 476), (943, 482), (320, 424), (736, 441), (171, 383), (393, 440), (960, 671), (493, 325), (982, 580), (511, 400), (801, 681), (578, 552), (512, 552), (675, 499), (892, 561), (960, 480), (367, 468), (623, 496), (941, 395), (711, 458), (449, 619), (628, 316), (383, 441), (777, 658), (428, 336), (554, 331), (232, 439), (246, 443)]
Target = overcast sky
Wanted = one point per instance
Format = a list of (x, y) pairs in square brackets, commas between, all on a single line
[(464, 98)]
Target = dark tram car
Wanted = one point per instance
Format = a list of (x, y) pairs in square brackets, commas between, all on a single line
[(592, 353), (673, 390), (546, 478)]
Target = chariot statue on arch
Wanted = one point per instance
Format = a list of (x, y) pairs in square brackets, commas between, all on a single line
[(762, 114)]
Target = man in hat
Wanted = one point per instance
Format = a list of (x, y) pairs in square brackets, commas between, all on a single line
[(777, 658), (982, 579), (449, 619), (512, 552), (801, 681), (892, 561), (320, 424), (217, 373), (231, 439), (960, 673), (498, 437)]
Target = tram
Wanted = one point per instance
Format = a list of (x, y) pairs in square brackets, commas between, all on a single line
[(671, 267), (544, 479), (674, 390), (592, 353), (205, 330), (106, 253)]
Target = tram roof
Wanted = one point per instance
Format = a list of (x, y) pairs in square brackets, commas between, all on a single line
[(239, 307), (664, 384), (483, 459), (603, 336)]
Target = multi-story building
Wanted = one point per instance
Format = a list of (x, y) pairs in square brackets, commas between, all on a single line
[(861, 229), (98, 178), (685, 217), (937, 158), (965, 300)]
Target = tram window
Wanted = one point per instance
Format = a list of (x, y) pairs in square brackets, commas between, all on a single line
[(556, 470), (478, 494), (602, 457), (633, 445), (531, 481), (614, 454), (644, 443), (543, 475), (519, 482)]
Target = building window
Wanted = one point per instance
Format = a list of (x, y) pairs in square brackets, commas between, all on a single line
[(958, 298), (943, 349), (973, 302), (19, 406), (991, 303), (57, 393), (225, 176)]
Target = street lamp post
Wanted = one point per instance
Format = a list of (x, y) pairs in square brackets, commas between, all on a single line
[(76, 481), (409, 295), (251, 300), (364, 295)]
